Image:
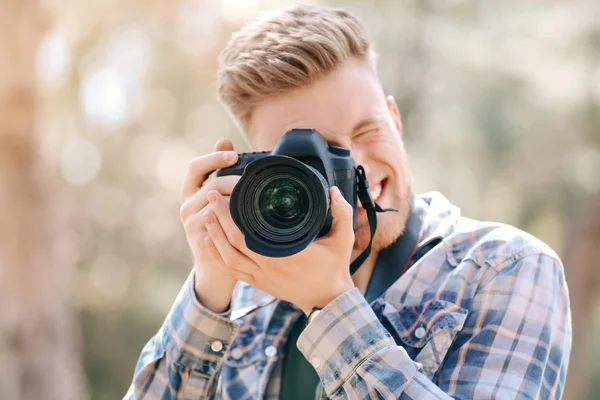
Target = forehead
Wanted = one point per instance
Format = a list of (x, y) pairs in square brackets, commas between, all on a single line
[(333, 105)]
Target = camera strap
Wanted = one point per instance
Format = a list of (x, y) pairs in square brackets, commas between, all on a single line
[(372, 209)]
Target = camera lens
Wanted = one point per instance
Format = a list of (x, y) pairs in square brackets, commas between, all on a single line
[(280, 204), (284, 203)]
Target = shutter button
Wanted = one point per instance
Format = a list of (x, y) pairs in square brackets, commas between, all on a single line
[(216, 346), (420, 332), (270, 351)]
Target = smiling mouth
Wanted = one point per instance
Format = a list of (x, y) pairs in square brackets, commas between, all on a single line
[(375, 192)]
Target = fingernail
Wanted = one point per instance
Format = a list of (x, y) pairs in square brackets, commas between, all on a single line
[(228, 156), (212, 196), (209, 218)]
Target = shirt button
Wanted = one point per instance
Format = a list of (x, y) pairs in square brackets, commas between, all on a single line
[(270, 351), (236, 353), (216, 346), (420, 332), (316, 362)]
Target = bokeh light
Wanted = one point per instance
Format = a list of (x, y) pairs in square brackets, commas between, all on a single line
[(80, 162)]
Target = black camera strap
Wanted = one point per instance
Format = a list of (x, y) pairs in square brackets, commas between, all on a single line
[(372, 209)]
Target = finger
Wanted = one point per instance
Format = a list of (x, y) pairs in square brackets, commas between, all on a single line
[(198, 201), (196, 234), (193, 226), (342, 213), (231, 256), (199, 167), (230, 229), (223, 145), (213, 252)]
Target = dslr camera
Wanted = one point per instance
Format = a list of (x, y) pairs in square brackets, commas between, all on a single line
[(281, 202)]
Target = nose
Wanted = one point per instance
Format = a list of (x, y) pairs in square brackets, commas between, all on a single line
[(360, 158)]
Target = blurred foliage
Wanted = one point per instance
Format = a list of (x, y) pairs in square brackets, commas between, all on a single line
[(499, 102)]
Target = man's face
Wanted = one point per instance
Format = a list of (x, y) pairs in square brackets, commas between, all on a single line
[(348, 107)]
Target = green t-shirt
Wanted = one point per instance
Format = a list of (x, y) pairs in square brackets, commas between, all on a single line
[(300, 380)]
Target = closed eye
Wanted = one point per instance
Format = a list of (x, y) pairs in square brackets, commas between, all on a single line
[(367, 133)]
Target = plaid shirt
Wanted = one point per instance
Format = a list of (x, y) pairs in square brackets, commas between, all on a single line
[(484, 314)]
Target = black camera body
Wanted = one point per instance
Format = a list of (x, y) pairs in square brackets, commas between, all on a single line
[(281, 203)]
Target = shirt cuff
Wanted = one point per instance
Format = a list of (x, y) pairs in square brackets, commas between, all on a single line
[(195, 337), (341, 337)]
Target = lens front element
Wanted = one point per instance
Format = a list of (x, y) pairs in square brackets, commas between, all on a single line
[(284, 203)]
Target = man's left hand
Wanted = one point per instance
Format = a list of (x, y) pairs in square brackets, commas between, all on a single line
[(311, 278)]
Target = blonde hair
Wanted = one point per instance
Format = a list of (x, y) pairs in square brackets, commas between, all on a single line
[(285, 51)]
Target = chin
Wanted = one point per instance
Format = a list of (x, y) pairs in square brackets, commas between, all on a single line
[(390, 225)]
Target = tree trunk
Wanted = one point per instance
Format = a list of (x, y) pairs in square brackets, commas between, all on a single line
[(582, 265), (37, 340)]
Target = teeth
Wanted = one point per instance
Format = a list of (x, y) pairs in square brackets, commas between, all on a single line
[(375, 192)]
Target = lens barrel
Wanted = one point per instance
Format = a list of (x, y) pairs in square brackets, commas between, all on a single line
[(280, 204)]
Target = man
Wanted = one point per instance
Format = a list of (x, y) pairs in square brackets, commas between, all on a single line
[(479, 311)]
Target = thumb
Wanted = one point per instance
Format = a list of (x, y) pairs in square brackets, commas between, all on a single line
[(223, 145), (342, 214)]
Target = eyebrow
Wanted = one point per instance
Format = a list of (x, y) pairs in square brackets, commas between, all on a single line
[(367, 121)]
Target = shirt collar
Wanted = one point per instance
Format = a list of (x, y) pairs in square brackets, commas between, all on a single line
[(440, 216)]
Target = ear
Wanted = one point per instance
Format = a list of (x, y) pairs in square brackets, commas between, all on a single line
[(394, 112)]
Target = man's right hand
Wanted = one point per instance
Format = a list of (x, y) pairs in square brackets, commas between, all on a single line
[(213, 284)]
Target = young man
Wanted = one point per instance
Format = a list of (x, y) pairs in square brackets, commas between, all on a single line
[(480, 310)]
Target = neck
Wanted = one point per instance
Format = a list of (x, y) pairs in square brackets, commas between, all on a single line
[(363, 275)]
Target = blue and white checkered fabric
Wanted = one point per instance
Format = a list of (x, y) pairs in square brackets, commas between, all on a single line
[(483, 315)]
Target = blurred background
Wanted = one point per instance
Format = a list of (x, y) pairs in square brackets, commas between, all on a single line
[(104, 102)]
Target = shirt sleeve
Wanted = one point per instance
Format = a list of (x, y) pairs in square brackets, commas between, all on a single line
[(515, 343), (186, 354)]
